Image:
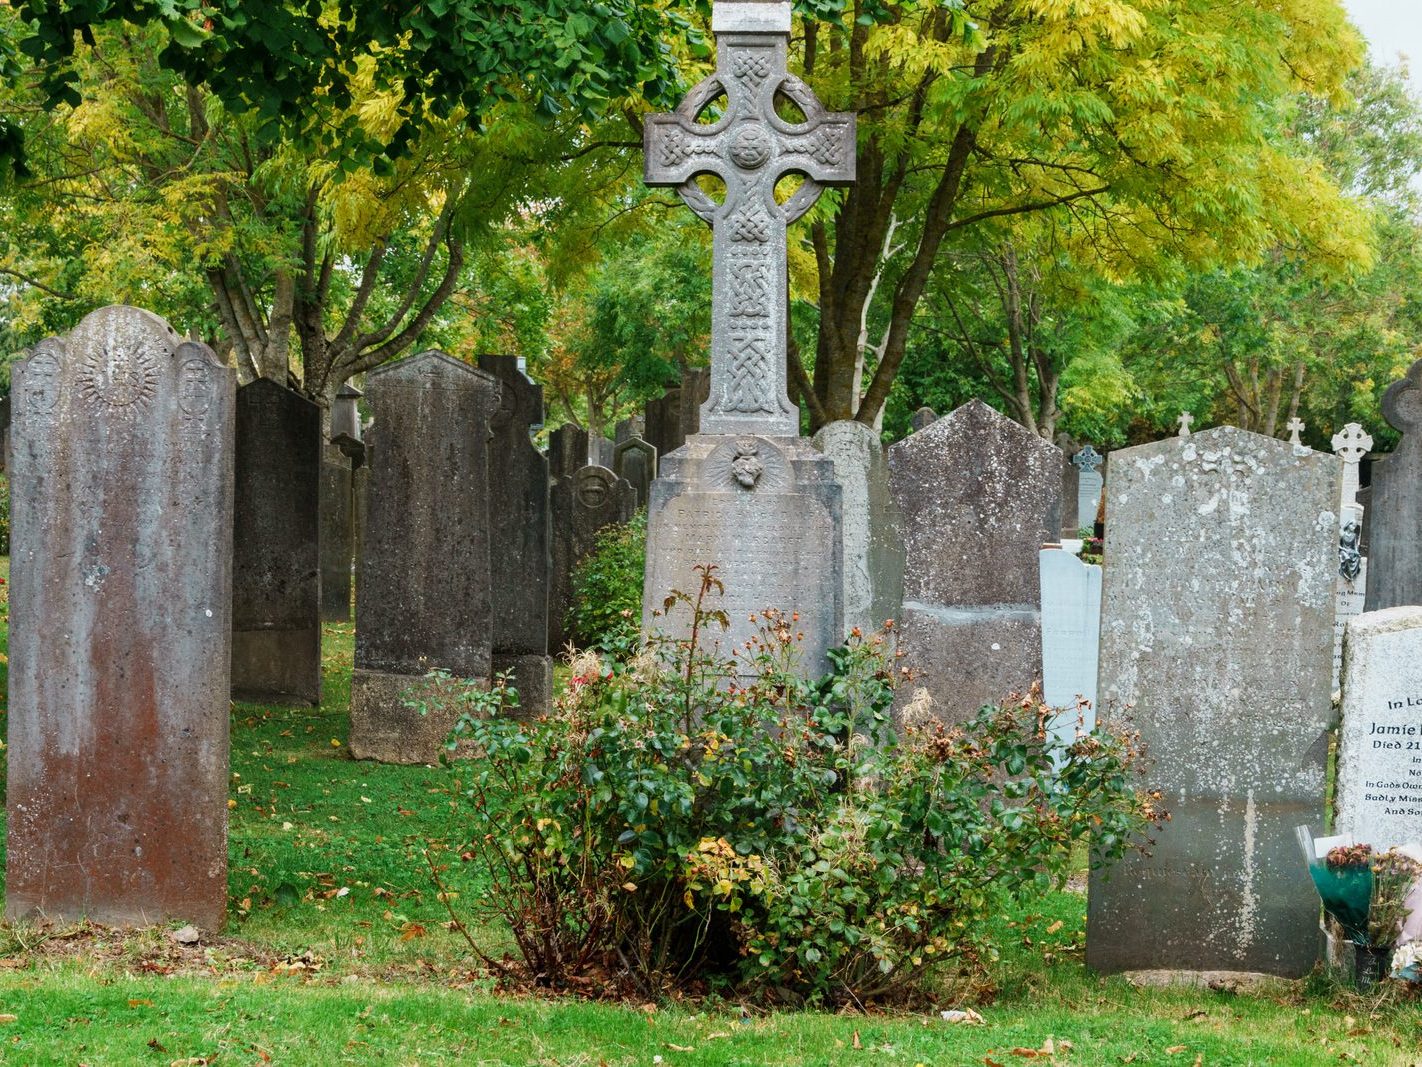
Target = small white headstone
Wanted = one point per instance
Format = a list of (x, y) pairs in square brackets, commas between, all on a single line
[(1296, 426), (1185, 420), (1071, 633), (1380, 749)]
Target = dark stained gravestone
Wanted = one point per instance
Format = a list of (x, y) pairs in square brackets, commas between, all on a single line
[(424, 585), (519, 535), (663, 421), (583, 504), (1216, 645), (601, 451), (276, 555), (4, 433), (628, 428), (978, 496), (567, 451), (923, 418), (1394, 508), (1071, 488), (121, 611), (635, 462), (337, 514)]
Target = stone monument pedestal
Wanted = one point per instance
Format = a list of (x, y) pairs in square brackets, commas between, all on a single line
[(767, 512)]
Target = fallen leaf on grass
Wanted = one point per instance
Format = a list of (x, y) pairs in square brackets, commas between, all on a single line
[(156, 1046), (6, 1017), (680, 1048), (1054, 927), (856, 1040), (410, 931), (1175, 1050), (140, 1003)]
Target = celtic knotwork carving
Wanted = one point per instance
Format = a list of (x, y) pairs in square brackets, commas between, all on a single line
[(752, 66), (1088, 459), (750, 288), (749, 389), (678, 146), (751, 225), (825, 145)]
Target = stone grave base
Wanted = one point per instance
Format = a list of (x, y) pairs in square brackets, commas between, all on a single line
[(384, 729), (969, 656), (766, 511), (277, 666), (1220, 981), (532, 677)]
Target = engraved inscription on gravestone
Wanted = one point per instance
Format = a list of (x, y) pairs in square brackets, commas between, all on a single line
[(1380, 739)]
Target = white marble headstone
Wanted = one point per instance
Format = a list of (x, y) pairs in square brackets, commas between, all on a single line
[(1071, 633)]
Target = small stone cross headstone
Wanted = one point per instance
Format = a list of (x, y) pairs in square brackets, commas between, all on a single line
[(750, 148), (1185, 420), (120, 627), (1395, 534), (1351, 444), (1296, 426)]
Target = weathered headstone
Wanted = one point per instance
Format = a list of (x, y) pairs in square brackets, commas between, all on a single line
[(1071, 629), (1395, 515), (276, 553), (424, 600), (635, 462), (1071, 485), (1380, 739), (1089, 482), (583, 504), (519, 535), (628, 428), (979, 495), (663, 421), (873, 542), (746, 493), (120, 623), (345, 413), (923, 418), (4, 433), (601, 451), (567, 451), (1216, 626), (337, 515)]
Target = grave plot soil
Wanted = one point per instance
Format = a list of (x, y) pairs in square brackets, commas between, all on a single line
[(338, 950)]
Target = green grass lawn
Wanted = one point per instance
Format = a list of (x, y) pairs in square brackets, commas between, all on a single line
[(337, 951)]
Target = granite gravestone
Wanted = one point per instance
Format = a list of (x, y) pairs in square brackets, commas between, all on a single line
[(1089, 482), (1380, 739), (628, 428), (4, 433), (337, 533), (601, 451), (567, 451), (635, 462), (979, 495), (662, 419), (120, 613), (1217, 614), (519, 536), (1071, 628), (873, 543), (745, 492), (583, 505), (1395, 515), (1071, 484), (276, 554), (424, 602)]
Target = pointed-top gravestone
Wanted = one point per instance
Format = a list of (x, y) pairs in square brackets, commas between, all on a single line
[(750, 148), (519, 537), (635, 462), (1217, 617), (276, 557), (1395, 515), (424, 599), (745, 493), (978, 496), (120, 623)]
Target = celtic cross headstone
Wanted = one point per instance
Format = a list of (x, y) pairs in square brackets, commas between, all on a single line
[(750, 148), (1351, 444)]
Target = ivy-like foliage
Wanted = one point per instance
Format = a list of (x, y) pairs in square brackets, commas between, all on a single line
[(439, 58)]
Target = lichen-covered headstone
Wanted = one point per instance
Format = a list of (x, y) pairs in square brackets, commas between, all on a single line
[(276, 555), (873, 543), (1395, 511), (1089, 482), (424, 600), (1217, 619), (583, 504), (519, 536), (1380, 739), (978, 496), (120, 623)]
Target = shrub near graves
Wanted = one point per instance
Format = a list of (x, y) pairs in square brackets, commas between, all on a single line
[(681, 821), (607, 589)]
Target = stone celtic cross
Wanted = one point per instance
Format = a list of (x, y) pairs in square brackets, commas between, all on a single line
[(1295, 426), (1185, 420), (1088, 459), (750, 148), (1351, 444)]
